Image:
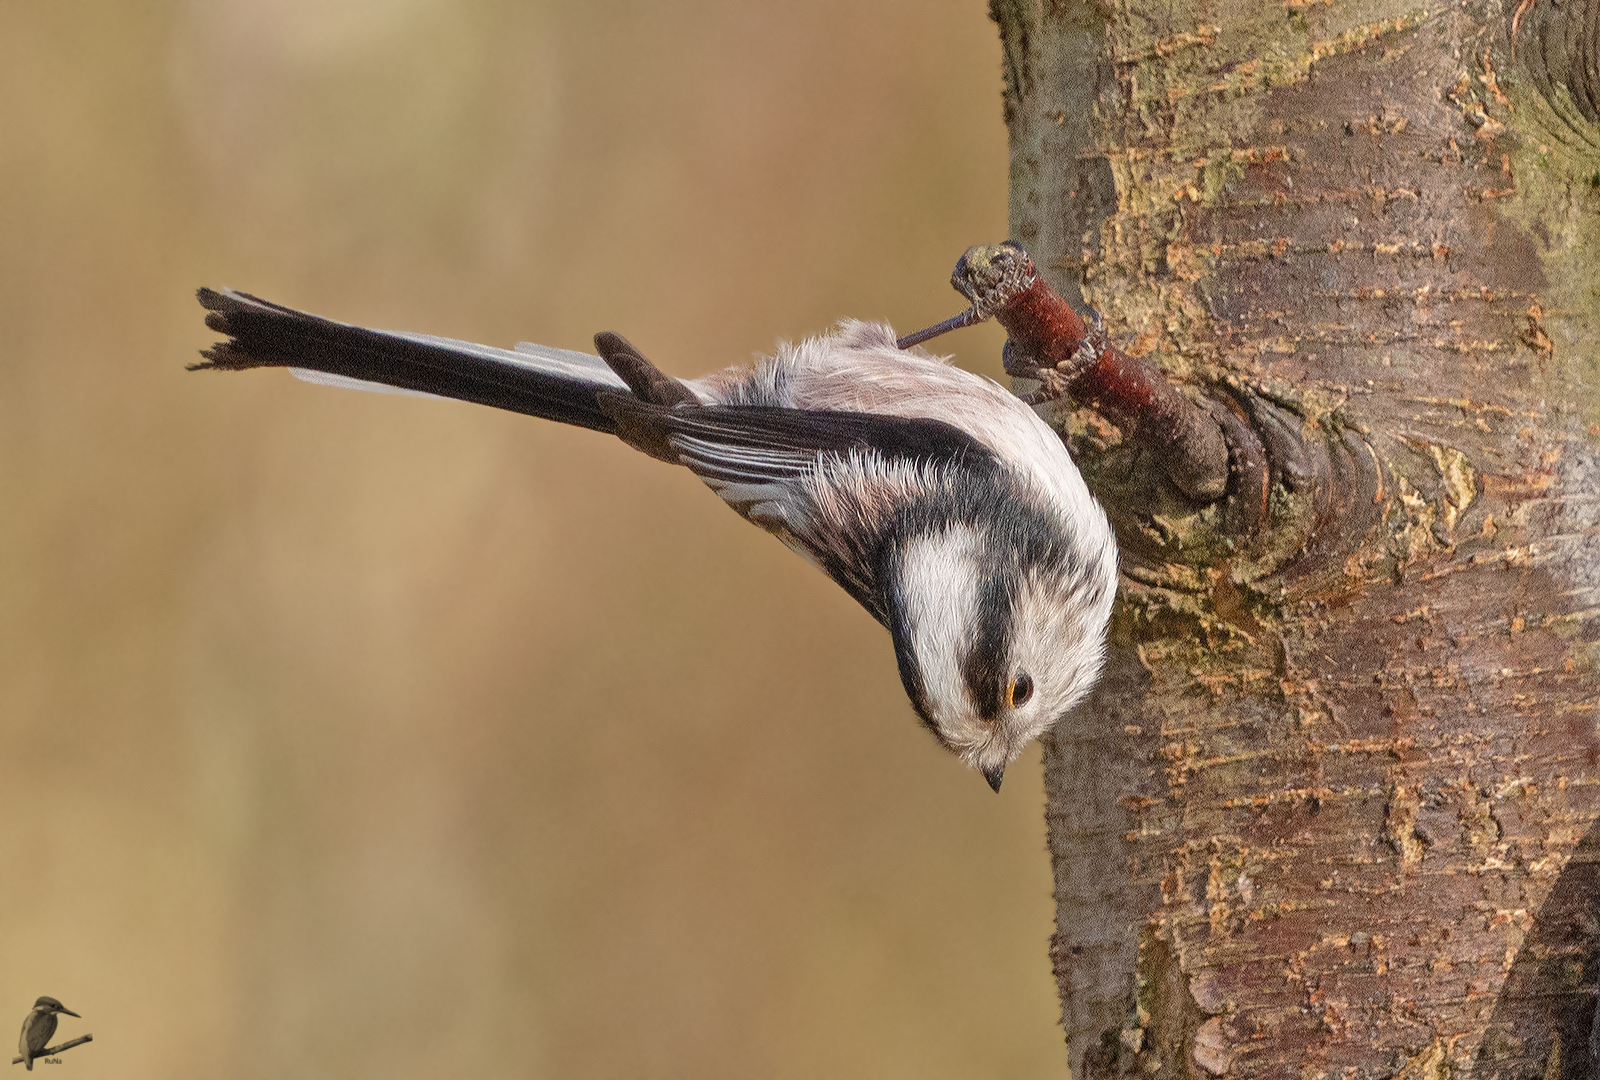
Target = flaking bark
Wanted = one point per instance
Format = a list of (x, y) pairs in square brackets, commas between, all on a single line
[(1332, 810)]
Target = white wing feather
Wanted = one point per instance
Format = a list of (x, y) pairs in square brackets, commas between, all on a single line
[(344, 382)]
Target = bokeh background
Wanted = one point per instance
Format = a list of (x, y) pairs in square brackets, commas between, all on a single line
[(361, 736)]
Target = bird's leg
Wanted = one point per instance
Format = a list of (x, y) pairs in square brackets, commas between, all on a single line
[(1052, 345), (954, 322)]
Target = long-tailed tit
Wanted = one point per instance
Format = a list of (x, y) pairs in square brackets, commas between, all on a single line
[(933, 496)]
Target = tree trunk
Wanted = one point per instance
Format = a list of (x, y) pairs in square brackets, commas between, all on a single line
[(1331, 810)]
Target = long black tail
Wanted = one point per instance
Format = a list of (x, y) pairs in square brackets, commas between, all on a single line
[(555, 384)]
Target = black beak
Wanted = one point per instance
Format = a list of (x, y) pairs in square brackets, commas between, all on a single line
[(994, 776), (69, 1012)]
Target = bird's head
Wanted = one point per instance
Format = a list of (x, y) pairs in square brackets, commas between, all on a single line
[(996, 636), (50, 1004)]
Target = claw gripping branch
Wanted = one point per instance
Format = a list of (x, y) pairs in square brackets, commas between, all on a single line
[(1050, 342)]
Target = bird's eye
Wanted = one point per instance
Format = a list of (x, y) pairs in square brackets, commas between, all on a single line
[(1021, 690)]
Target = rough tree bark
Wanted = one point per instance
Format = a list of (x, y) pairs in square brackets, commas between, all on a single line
[(1332, 810)]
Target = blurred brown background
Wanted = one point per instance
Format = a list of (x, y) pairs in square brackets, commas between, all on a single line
[(358, 736)]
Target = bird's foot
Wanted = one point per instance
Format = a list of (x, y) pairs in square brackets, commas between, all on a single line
[(1055, 380)]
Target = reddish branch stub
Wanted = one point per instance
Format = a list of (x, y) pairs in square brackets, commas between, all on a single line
[(1050, 343)]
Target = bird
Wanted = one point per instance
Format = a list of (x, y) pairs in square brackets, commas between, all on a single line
[(37, 1027), (933, 496)]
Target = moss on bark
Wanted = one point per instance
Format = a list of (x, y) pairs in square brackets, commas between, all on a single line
[(1337, 793)]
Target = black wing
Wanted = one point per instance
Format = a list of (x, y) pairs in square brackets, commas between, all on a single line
[(770, 464), (753, 443)]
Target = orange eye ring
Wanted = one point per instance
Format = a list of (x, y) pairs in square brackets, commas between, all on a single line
[(1020, 690)]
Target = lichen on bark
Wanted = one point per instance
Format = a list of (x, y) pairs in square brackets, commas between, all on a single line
[(1332, 810)]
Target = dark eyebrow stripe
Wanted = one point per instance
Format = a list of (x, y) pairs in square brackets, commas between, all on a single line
[(982, 669)]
